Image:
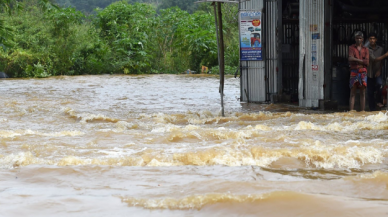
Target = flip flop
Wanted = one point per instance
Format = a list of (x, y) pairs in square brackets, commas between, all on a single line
[(380, 105)]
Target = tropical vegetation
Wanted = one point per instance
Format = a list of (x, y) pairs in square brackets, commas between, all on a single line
[(42, 38)]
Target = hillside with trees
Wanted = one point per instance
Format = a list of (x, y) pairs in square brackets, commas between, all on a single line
[(40, 40), (87, 6)]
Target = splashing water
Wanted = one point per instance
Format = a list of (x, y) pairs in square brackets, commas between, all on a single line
[(157, 146)]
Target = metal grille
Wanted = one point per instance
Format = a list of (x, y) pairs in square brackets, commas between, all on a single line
[(271, 46), (290, 58)]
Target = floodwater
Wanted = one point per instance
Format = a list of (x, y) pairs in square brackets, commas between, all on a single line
[(156, 146)]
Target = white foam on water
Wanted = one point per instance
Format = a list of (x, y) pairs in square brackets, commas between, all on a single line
[(11, 134), (164, 118), (20, 159), (166, 128), (62, 134), (353, 142), (156, 163), (191, 202), (380, 117), (336, 156), (263, 127), (120, 152), (339, 127), (306, 126), (87, 117), (8, 134), (375, 175), (123, 125)]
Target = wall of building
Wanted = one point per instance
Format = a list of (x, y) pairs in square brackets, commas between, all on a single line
[(253, 85), (311, 52), (261, 80)]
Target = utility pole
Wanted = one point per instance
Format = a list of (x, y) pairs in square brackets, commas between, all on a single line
[(221, 52), (220, 43)]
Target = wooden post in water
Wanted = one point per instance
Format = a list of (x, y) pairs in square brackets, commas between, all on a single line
[(220, 42), (220, 45), (222, 59)]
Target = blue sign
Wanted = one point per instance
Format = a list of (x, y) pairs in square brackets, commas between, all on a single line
[(249, 54), (250, 36)]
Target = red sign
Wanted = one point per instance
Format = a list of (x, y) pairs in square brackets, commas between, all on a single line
[(256, 22), (315, 67)]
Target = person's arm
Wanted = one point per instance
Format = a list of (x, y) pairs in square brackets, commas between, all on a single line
[(366, 60), (378, 73), (352, 56), (353, 59), (381, 57), (372, 56)]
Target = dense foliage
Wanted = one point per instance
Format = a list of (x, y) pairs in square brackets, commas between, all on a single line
[(87, 6), (187, 5), (120, 38)]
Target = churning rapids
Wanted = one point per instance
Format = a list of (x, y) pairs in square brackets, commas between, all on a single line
[(156, 145)]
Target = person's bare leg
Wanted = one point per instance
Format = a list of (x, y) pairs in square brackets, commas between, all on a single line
[(362, 98), (352, 97)]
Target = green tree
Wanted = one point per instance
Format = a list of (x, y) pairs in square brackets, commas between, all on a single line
[(9, 6), (88, 6), (165, 39), (197, 35), (187, 5), (62, 20), (231, 33), (121, 38), (52, 43), (126, 28)]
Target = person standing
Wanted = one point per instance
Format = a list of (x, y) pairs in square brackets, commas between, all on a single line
[(358, 61), (374, 72)]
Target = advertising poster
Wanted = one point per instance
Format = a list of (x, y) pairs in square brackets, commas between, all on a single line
[(314, 50), (314, 56), (250, 36)]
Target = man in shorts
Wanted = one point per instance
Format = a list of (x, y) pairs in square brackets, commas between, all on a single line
[(376, 55), (358, 61)]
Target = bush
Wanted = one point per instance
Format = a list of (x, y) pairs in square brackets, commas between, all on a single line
[(122, 38), (229, 70)]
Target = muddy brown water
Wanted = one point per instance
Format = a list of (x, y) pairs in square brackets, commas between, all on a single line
[(156, 145)]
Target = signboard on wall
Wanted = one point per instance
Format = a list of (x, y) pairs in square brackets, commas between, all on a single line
[(314, 51), (251, 36)]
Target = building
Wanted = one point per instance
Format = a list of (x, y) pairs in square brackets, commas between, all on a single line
[(304, 48)]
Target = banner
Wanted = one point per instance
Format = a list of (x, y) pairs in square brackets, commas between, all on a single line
[(250, 36)]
